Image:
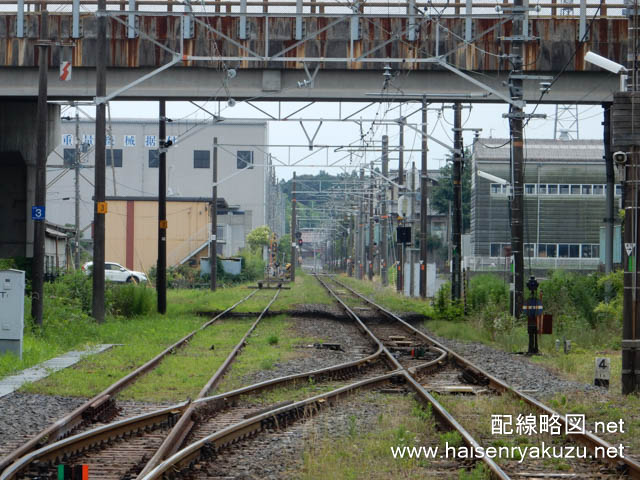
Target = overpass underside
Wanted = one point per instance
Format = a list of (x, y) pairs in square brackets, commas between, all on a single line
[(274, 54)]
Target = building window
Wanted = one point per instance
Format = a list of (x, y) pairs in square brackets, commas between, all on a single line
[(69, 157), (552, 189), (542, 189), (116, 154), (618, 190), (598, 189), (575, 189), (586, 251), (586, 189), (220, 233), (574, 251), (244, 159), (595, 251), (154, 159), (564, 190), (496, 250), (496, 188), (201, 159), (563, 250), (529, 250), (552, 250), (530, 188)]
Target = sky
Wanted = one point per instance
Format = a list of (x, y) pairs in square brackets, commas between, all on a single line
[(487, 117)]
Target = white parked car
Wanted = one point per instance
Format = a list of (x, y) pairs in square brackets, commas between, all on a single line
[(115, 272)]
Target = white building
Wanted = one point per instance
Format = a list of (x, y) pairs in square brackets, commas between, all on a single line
[(244, 174)]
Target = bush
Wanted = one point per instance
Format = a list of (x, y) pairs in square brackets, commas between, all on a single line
[(131, 300), (487, 289), (71, 294), (445, 309)]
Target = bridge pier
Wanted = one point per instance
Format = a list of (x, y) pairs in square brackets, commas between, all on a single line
[(18, 172)]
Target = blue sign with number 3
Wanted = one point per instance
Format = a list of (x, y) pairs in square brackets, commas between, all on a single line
[(37, 213)]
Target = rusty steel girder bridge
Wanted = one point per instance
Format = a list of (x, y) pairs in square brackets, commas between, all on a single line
[(313, 50)]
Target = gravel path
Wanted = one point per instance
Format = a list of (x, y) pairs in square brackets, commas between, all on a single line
[(342, 332), (516, 370), (278, 455)]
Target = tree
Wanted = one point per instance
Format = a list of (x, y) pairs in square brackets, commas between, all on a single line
[(258, 237), (442, 193), (284, 247)]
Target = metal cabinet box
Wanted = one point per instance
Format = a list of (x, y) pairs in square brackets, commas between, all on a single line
[(11, 311)]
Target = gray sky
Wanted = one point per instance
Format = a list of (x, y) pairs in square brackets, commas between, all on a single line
[(485, 116)]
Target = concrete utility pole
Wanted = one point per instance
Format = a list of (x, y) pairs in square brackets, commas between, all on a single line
[(100, 206), (414, 233), (213, 256), (76, 168), (361, 259), (39, 227), (516, 115), (371, 236), (161, 269), (399, 246), (456, 272), (610, 215), (423, 205), (294, 239), (384, 217), (626, 141)]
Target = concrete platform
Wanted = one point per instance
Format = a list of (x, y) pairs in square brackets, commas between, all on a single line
[(44, 369)]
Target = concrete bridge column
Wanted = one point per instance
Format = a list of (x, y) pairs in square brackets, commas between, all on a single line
[(17, 172)]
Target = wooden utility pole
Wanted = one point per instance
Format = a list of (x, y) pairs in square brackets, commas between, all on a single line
[(39, 227), (213, 246), (384, 217), (516, 116), (400, 246), (100, 206), (423, 205), (294, 239), (626, 144), (371, 236), (456, 271), (161, 269)]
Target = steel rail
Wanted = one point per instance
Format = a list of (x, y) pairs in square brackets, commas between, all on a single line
[(181, 429), (94, 405), (468, 439), (209, 445), (590, 440), (75, 443)]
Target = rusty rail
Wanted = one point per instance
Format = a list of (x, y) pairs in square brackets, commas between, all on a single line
[(209, 445), (73, 444), (590, 440), (66, 424), (182, 428)]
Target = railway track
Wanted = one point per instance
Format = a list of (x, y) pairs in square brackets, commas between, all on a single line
[(123, 449), (102, 407), (460, 375), (205, 429)]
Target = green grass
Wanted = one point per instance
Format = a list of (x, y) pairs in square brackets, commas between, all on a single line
[(306, 290), (143, 338), (364, 451), (388, 296), (261, 352)]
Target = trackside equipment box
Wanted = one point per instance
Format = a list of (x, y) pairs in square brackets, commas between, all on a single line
[(11, 311)]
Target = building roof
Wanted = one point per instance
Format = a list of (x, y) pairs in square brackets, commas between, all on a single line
[(541, 150), (222, 203)]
